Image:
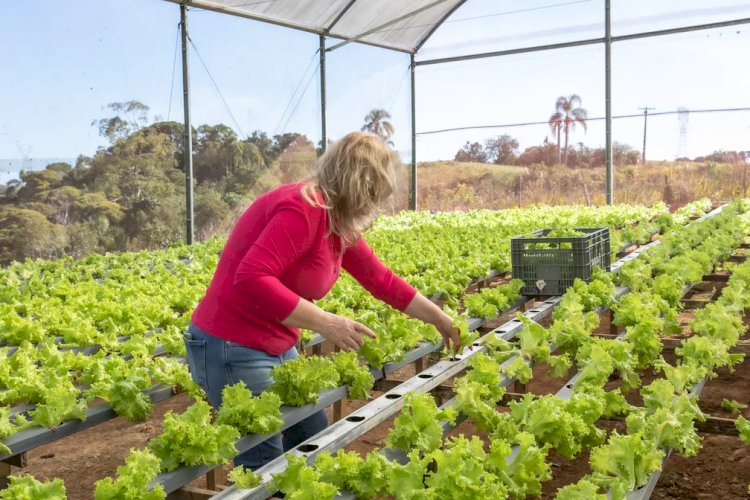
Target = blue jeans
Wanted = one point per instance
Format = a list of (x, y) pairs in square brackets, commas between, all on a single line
[(215, 363)]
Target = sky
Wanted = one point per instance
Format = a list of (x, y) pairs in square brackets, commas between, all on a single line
[(61, 63)]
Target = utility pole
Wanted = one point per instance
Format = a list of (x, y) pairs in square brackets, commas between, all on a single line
[(645, 121)]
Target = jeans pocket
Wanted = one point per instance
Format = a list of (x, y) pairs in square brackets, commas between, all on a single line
[(196, 357), (251, 366)]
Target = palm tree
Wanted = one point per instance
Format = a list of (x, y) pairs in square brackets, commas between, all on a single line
[(378, 122), (555, 124), (567, 114)]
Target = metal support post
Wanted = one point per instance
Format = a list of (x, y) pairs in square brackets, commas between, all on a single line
[(608, 101), (323, 131), (188, 143), (413, 196), (645, 122)]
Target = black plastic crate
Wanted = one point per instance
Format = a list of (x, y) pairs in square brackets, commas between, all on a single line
[(549, 265)]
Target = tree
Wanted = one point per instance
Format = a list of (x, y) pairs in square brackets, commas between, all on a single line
[(732, 157), (63, 199), (36, 184), (544, 154), (216, 152), (624, 154), (555, 124), (210, 212), (471, 152), (130, 117), (378, 122), (285, 141), (140, 174), (567, 114), (97, 206), (264, 145), (27, 233), (502, 150), (12, 187)]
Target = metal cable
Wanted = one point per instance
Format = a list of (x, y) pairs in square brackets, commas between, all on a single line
[(596, 118), (242, 134), (174, 65)]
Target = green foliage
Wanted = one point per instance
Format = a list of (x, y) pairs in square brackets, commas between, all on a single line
[(191, 439), (564, 425), (626, 459), (301, 482), (732, 406), (366, 478), (133, 479), (743, 426), (353, 374), (244, 478), (28, 233), (27, 488), (418, 425), (460, 473), (299, 382), (247, 413), (523, 474)]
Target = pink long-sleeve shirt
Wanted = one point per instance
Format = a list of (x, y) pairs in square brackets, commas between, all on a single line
[(280, 252)]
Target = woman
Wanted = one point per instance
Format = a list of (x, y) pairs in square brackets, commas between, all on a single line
[(285, 251)]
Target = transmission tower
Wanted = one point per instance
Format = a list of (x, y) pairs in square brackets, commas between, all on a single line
[(683, 115)]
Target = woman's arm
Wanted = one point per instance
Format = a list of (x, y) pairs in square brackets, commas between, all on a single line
[(424, 309), (343, 332), (362, 263), (286, 237)]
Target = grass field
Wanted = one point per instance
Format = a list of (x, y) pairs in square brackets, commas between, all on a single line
[(462, 186)]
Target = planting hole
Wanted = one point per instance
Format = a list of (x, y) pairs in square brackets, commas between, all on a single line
[(307, 448), (454, 358), (392, 396), (424, 375), (355, 418)]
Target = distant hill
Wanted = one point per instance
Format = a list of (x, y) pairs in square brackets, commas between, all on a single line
[(11, 167)]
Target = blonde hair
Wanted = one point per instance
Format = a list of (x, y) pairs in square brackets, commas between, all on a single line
[(354, 176)]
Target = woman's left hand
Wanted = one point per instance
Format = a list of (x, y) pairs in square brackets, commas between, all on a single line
[(444, 325)]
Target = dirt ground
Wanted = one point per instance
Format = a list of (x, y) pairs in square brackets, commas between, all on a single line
[(720, 471)]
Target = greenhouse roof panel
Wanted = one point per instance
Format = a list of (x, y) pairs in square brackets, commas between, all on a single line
[(395, 24)]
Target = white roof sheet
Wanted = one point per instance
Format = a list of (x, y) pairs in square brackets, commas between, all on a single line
[(395, 24)]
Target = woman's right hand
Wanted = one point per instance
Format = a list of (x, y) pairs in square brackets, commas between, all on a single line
[(345, 333)]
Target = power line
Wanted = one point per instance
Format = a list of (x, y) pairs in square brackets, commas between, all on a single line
[(304, 91), (217, 88), (292, 97), (174, 65), (400, 84), (596, 118)]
